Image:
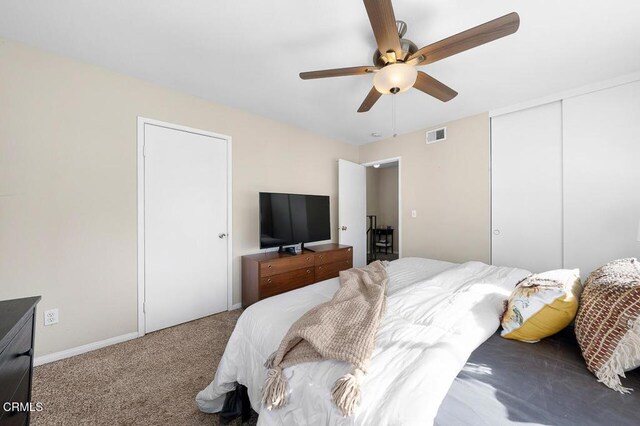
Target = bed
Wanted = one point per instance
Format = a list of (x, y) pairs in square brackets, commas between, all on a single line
[(437, 359)]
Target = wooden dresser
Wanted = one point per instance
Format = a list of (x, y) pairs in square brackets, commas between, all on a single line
[(271, 273), (17, 320)]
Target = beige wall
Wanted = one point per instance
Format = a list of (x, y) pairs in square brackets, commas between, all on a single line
[(448, 183), (68, 206), (372, 191), (388, 197), (382, 197)]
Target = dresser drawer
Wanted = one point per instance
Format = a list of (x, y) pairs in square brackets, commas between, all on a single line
[(285, 264), (21, 395), (333, 256), (273, 285), (332, 270), (15, 360)]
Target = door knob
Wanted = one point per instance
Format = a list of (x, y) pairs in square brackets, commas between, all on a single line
[(222, 235), (344, 228), (496, 232)]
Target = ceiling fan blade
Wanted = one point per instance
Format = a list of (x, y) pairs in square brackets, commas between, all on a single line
[(468, 39), (371, 99), (383, 23), (337, 72), (433, 87)]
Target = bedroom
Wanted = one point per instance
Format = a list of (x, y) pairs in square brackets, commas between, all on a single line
[(538, 171)]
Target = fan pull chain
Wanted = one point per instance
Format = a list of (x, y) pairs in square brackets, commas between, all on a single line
[(393, 115)]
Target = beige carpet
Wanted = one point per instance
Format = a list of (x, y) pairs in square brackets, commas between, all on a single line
[(148, 381)]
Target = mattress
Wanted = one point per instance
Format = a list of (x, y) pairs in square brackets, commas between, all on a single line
[(506, 382), (437, 313)]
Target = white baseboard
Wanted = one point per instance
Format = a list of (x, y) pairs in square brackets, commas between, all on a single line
[(56, 356), (45, 359)]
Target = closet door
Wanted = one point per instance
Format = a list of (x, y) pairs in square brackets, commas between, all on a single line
[(526, 187), (601, 177), (185, 226)]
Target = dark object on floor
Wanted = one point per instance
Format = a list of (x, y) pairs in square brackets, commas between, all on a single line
[(17, 320), (546, 383), (236, 404), (388, 257)]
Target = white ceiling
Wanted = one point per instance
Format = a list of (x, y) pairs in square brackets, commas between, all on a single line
[(248, 54)]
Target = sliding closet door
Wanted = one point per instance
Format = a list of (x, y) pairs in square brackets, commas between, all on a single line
[(526, 182), (601, 177)]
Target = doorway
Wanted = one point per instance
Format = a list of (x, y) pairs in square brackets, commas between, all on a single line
[(383, 210), (184, 218)]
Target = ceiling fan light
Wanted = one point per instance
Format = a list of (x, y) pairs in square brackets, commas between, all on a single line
[(395, 78)]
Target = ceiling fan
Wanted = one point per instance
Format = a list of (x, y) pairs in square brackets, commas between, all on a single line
[(396, 59)]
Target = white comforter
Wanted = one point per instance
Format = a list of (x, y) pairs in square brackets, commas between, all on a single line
[(437, 314)]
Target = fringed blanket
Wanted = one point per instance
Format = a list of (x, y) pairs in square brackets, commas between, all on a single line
[(343, 329)]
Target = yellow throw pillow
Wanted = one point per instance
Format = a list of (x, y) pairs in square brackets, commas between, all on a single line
[(542, 305)]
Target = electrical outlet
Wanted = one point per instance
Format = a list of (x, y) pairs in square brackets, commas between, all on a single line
[(414, 213), (51, 316)]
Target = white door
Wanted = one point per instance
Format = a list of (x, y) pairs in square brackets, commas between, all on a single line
[(526, 188), (601, 177), (185, 226), (352, 209)]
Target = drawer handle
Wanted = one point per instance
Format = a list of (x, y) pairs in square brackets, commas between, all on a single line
[(308, 271), (319, 267), (27, 353), (308, 259), (349, 249), (269, 281), (269, 266), (320, 257)]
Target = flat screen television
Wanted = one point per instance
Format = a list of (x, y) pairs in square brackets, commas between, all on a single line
[(288, 219)]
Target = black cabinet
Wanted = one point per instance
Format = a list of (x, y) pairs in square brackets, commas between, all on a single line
[(17, 325)]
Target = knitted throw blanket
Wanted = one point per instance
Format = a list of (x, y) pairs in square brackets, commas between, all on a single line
[(343, 329)]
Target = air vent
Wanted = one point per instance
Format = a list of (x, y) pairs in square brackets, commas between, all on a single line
[(437, 135)]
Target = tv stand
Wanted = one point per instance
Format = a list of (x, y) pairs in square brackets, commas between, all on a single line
[(303, 248), (267, 274)]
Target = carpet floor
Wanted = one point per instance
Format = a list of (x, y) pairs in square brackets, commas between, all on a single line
[(152, 380)]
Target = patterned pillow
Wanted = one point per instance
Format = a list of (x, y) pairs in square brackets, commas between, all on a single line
[(541, 305), (608, 322)]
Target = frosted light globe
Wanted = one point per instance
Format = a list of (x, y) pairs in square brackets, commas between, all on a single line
[(395, 78)]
